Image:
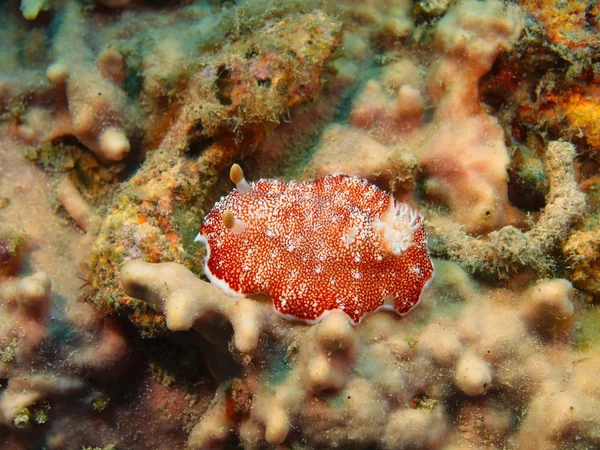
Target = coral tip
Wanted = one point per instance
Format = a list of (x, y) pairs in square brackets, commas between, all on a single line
[(333, 243)]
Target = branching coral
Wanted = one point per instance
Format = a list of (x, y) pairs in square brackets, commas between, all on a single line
[(307, 382), (169, 96), (26, 361), (96, 104), (182, 310), (156, 215)]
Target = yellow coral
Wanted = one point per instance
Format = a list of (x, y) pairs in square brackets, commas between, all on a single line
[(583, 112)]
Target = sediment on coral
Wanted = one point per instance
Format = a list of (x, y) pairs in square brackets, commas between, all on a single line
[(233, 98), (297, 382), (95, 105), (13, 250), (503, 251), (28, 380), (126, 116), (582, 252)]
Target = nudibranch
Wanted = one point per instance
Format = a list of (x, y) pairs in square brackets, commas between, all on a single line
[(338, 242)]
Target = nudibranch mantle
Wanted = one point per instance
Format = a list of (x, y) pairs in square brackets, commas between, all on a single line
[(338, 242)]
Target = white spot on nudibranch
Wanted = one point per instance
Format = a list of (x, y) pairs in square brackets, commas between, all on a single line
[(350, 236)]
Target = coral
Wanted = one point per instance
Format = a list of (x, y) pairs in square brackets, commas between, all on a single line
[(465, 171), (97, 91), (530, 90), (31, 8), (76, 206), (150, 217), (24, 337), (508, 248), (462, 109), (582, 111), (289, 240), (473, 181), (315, 379), (473, 376), (469, 38), (182, 310), (95, 105), (575, 401), (249, 85), (13, 249), (67, 159), (149, 220), (63, 376), (566, 25), (583, 252), (549, 308), (346, 150), (569, 110)]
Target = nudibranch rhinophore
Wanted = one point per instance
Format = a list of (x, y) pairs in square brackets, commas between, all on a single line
[(334, 243)]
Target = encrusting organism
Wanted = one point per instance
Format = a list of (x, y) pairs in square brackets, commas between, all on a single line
[(509, 247), (390, 377), (314, 247)]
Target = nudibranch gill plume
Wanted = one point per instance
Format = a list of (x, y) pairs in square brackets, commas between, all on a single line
[(338, 242)]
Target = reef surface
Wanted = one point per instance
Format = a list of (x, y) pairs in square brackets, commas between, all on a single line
[(119, 122)]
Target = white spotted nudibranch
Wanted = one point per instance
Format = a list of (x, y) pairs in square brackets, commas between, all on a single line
[(333, 243)]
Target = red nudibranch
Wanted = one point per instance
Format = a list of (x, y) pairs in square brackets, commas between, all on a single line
[(333, 243)]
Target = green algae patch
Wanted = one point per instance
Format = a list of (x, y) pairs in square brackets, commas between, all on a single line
[(13, 249), (423, 402), (279, 360), (587, 334), (100, 403), (7, 354), (339, 401), (36, 414), (62, 157), (412, 341), (279, 371), (188, 222)]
